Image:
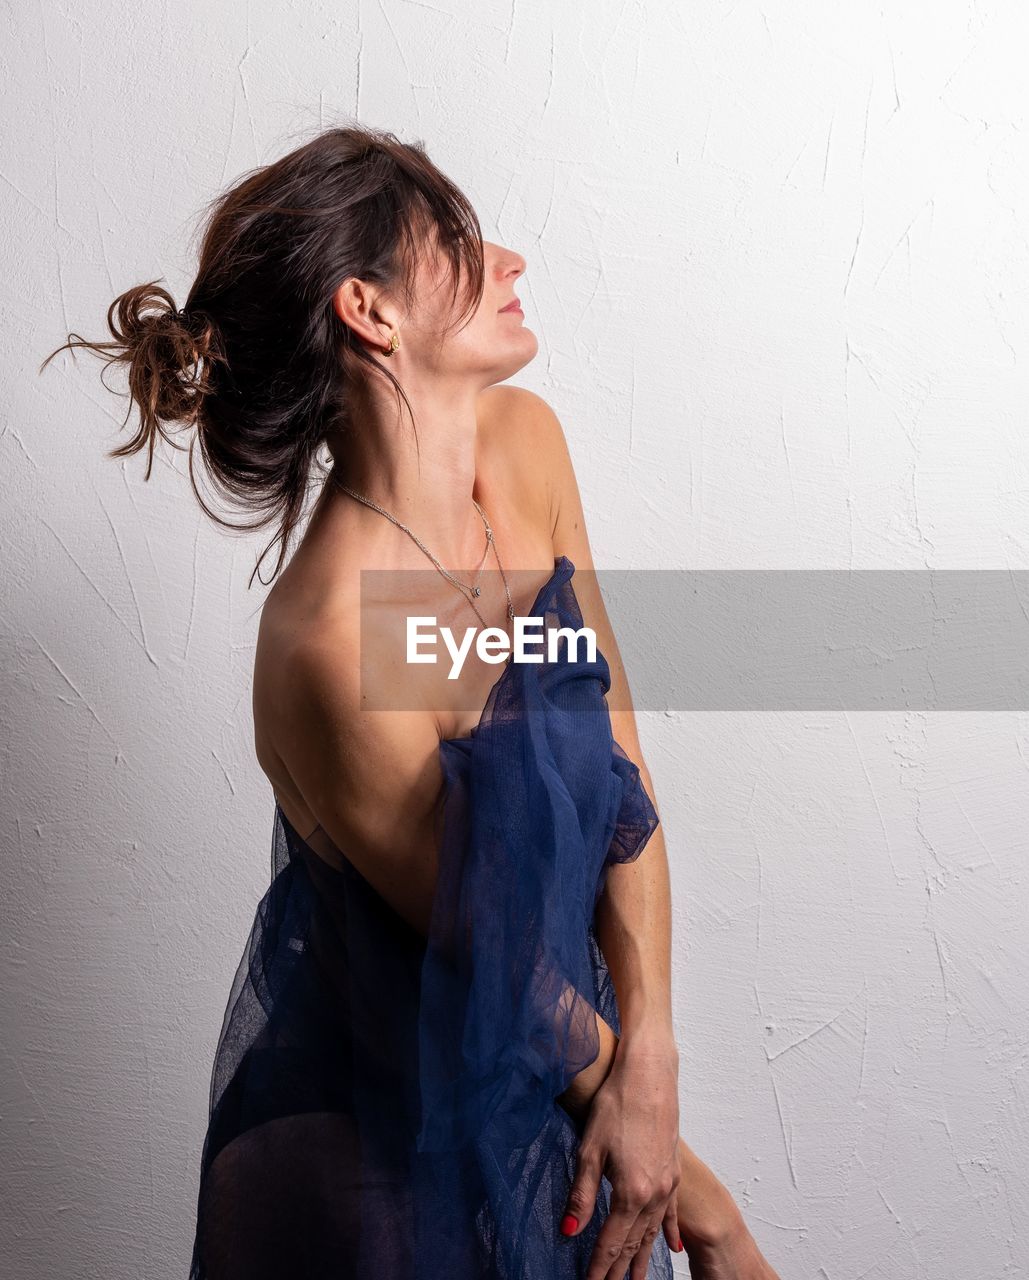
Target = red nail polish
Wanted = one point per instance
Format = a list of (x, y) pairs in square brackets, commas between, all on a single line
[(681, 1245), (568, 1224)]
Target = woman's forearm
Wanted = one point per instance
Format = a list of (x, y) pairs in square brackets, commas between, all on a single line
[(578, 1097), (633, 925)]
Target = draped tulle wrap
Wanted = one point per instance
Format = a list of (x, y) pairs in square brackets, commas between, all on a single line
[(382, 1104)]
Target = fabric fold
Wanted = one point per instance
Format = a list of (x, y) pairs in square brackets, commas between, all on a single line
[(637, 817)]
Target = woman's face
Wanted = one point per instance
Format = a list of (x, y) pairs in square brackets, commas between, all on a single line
[(491, 344)]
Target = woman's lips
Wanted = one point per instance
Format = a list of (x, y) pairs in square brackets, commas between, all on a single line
[(515, 305)]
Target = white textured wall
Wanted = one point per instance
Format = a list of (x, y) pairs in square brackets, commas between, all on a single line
[(777, 262)]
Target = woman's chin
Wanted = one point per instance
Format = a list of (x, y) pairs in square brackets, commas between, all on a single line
[(526, 348)]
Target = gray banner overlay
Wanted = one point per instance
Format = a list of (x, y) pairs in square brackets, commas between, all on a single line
[(733, 640)]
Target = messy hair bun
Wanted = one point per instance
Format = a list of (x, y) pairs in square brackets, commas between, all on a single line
[(170, 359), (258, 361), (171, 355)]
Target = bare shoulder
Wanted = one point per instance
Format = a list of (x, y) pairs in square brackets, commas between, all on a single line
[(348, 752), (523, 438), (541, 455), (517, 416)]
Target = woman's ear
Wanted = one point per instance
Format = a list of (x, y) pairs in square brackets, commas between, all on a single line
[(357, 305)]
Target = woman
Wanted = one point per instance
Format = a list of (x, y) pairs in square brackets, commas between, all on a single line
[(423, 1069)]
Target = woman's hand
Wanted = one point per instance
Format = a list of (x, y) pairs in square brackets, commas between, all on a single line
[(718, 1242), (631, 1135)]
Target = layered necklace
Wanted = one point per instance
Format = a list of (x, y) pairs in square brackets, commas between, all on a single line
[(470, 590)]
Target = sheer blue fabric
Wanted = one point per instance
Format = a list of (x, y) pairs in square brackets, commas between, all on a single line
[(383, 1104)]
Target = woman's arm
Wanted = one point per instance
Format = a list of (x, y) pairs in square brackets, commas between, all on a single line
[(577, 1099), (633, 920), (633, 917), (632, 1131)]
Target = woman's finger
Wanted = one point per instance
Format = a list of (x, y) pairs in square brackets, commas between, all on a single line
[(582, 1197), (632, 1208), (641, 1259), (671, 1223), (608, 1251), (619, 1255)]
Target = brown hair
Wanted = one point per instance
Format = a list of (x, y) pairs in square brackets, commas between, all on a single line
[(258, 360)]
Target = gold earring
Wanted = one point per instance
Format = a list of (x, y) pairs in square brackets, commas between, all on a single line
[(394, 342)]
